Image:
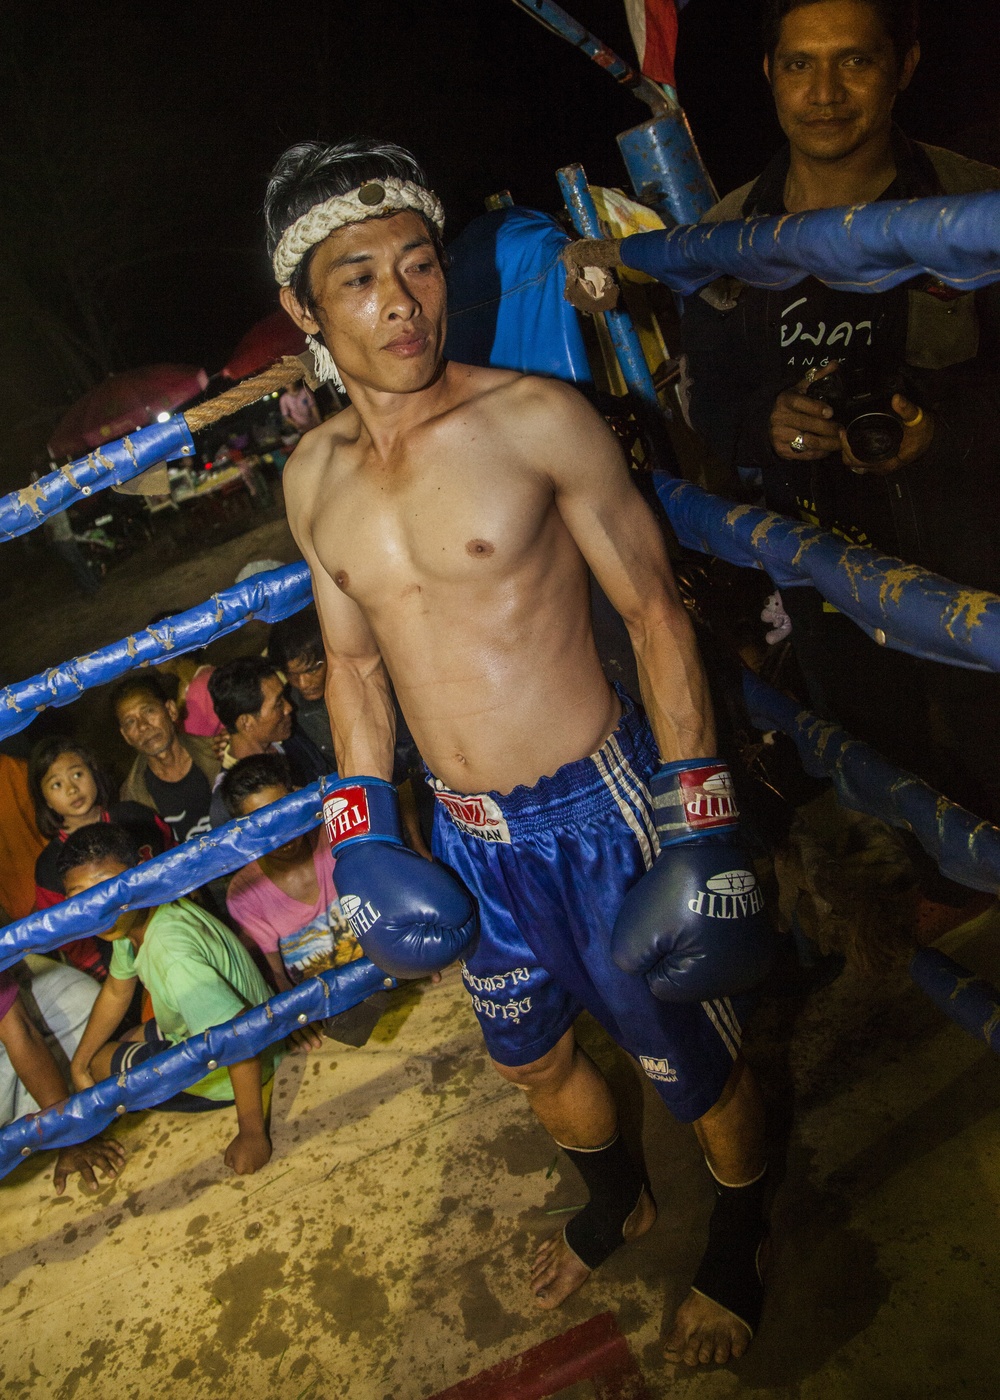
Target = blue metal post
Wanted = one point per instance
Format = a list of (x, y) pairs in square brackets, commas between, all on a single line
[(666, 169), (624, 337)]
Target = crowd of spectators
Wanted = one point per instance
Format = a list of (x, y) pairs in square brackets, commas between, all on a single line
[(196, 746)]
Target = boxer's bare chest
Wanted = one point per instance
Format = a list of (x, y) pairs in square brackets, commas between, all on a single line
[(446, 516)]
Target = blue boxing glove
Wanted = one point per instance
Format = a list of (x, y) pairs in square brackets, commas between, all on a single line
[(695, 925), (411, 916)]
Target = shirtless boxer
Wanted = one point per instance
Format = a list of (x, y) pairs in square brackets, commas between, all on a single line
[(449, 517)]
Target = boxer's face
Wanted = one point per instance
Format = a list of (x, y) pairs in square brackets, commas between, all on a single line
[(379, 301), (835, 77)]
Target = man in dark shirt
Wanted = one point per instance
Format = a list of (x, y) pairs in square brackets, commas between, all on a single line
[(173, 772), (835, 69)]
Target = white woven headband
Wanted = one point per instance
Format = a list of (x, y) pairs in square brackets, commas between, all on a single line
[(368, 201)]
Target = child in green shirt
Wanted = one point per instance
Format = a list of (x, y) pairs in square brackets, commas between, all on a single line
[(197, 974)]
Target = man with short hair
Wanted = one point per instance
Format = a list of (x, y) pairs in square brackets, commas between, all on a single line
[(295, 646), (249, 697), (173, 772), (448, 517), (757, 366)]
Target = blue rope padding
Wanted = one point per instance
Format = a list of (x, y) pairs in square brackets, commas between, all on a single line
[(168, 876), (919, 612), (965, 847), (121, 460), (83, 1115), (969, 1000), (868, 248), (267, 596)]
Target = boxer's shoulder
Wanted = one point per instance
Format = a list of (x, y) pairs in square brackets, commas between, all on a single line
[(321, 452)]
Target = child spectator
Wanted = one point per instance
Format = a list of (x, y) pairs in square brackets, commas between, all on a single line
[(30, 1077), (70, 791), (285, 902), (197, 974)]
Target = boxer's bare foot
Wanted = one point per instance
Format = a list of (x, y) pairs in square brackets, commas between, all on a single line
[(704, 1331), (557, 1272)]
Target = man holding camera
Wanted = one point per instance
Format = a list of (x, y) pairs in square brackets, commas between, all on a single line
[(875, 416)]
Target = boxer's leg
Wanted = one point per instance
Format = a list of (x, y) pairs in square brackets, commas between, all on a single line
[(719, 1316), (571, 1098)]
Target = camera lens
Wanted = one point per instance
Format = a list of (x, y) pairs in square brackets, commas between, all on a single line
[(874, 437)]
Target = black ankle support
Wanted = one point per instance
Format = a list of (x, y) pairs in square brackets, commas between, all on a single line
[(615, 1184), (729, 1271)]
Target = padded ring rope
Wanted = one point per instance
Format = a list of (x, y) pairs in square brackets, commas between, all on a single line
[(867, 248), (268, 596), (128, 457), (166, 877), (915, 611), (82, 1115), (965, 847)]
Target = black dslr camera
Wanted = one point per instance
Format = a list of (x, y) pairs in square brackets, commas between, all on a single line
[(874, 432)]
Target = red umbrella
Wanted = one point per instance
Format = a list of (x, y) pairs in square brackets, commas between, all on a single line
[(267, 341), (123, 403)]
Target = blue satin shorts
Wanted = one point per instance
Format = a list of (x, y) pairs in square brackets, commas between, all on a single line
[(550, 866)]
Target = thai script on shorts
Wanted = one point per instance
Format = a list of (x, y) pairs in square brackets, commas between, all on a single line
[(505, 1010), (499, 983)]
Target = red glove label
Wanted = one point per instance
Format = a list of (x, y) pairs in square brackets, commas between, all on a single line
[(346, 814), (708, 798)]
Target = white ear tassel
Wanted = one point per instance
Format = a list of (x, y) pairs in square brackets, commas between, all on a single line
[(323, 364)]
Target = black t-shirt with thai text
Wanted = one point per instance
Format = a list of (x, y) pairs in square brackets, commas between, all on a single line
[(184, 806)]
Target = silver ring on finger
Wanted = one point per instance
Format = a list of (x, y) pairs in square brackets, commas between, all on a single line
[(798, 443)]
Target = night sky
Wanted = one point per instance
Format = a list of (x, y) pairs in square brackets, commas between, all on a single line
[(140, 137)]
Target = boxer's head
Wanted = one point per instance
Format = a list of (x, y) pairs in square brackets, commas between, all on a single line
[(354, 235)]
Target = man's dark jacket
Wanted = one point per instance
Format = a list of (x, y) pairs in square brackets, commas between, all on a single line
[(942, 511)]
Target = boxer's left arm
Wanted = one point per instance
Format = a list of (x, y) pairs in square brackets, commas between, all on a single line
[(667, 930), (618, 536)]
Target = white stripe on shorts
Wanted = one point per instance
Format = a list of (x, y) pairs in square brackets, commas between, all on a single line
[(713, 1016)]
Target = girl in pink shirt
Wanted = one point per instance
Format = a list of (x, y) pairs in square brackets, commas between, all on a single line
[(285, 902)]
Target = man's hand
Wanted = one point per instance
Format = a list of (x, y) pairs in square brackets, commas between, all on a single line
[(918, 432), (590, 263), (102, 1153), (248, 1152), (307, 1038), (798, 418)]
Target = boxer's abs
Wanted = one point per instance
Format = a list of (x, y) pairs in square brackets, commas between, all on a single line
[(491, 707)]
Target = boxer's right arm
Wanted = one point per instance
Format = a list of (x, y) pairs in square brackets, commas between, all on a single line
[(358, 694), (411, 916)]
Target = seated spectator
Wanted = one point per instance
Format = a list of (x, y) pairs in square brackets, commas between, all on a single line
[(70, 791), (30, 1077), (250, 700), (285, 902), (20, 841), (295, 645), (173, 772), (197, 975)]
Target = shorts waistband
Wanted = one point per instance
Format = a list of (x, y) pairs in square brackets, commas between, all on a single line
[(574, 791)]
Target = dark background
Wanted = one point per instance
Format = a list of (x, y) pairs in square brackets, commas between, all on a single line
[(138, 140)]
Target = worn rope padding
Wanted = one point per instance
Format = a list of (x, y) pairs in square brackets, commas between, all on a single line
[(969, 1000), (128, 457), (268, 597), (916, 611), (83, 1115), (965, 847), (370, 200), (868, 248), (168, 876)]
